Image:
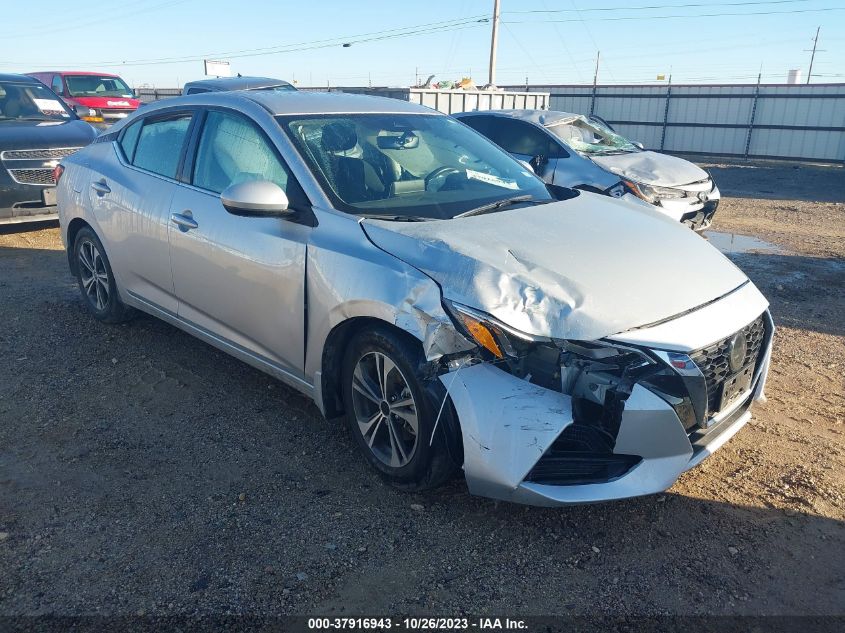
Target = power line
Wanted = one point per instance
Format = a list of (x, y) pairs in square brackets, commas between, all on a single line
[(667, 17), (408, 31), (660, 6)]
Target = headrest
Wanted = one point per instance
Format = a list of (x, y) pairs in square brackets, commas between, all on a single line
[(339, 137)]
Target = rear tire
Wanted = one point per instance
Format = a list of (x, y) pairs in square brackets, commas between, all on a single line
[(96, 280), (391, 411)]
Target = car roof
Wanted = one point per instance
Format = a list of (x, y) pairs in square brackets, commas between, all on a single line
[(72, 72), (238, 83), (15, 77), (543, 118), (300, 102)]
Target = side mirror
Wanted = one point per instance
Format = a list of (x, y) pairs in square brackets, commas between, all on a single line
[(256, 198)]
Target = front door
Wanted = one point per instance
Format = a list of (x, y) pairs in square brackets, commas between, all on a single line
[(240, 278)]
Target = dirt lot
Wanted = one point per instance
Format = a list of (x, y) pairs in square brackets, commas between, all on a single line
[(142, 471)]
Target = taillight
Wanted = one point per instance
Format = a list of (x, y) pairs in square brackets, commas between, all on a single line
[(58, 170)]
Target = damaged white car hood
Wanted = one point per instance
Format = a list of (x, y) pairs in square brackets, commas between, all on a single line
[(584, 268), (652, 168)]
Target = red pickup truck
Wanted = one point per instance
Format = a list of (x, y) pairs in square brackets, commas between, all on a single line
[(107, 96)]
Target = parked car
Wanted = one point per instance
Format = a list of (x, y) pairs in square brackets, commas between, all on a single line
[(585, 152), (406, 273), (98, 98), (36, 131), (227, 84)]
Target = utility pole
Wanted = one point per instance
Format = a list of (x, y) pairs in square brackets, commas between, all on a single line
[(596, 74), (494, 40), (813, 56)]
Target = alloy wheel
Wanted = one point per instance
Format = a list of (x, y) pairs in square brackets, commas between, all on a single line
[(385, 409), (93, 274)]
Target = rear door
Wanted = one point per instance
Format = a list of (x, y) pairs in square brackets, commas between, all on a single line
[(131, 199), (239, 278)]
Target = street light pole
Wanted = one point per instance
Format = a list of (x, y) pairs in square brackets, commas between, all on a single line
[(494, 40)]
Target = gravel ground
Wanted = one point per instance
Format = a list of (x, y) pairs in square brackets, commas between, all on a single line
[(142, 471)]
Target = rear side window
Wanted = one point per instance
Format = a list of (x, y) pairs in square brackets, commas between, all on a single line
[(160, 142), (57, 85), (196, 91), (130, 139), (232, 150)]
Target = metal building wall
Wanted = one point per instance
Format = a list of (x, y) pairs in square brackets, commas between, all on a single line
[(799, 122)]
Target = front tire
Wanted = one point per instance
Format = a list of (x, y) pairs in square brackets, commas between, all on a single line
[(391, 412), (96, 280)]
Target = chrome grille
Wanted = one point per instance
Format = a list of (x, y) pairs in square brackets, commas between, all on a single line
[(37, 154), (713, 360), (37, 176)]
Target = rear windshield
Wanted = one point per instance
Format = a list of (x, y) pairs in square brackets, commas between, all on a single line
[(21, 101), (97, 86)]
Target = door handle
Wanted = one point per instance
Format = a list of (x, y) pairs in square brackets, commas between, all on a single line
[(100, 187), (184, 221)]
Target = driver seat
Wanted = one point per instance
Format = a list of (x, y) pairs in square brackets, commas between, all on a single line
[(356, 172)]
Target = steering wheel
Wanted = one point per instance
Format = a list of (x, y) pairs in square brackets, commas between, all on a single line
[(436, 179)]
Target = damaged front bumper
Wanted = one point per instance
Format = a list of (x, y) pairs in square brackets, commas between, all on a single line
[(526, 444), (695, 210)]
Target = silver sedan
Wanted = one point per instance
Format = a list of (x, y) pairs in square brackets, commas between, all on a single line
[(411, 277)]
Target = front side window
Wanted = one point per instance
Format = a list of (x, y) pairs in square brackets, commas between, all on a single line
[(31, 102), (97, 86), (480, 123), (231, 150), (519, 137), (57, 85), (407, 165), (160, 142), (587, 137)]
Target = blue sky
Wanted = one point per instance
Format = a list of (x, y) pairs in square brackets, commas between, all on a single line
[(548, 41)]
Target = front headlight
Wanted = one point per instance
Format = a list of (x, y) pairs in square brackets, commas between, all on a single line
[(573, 367), (92, 116), (651, 193), (498, 339)]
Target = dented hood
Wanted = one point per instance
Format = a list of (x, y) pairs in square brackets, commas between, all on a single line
[(652, 168), (583, 268)]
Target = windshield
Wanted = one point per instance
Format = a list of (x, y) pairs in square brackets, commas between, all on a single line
[(97, 86), (591, 137), (413, 166), (30, 102)]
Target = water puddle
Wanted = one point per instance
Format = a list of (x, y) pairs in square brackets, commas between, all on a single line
[(733, 244)]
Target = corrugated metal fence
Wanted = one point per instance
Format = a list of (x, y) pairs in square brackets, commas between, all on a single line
[(796, 122), (447, 101), (451, 101), (780, 121)]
